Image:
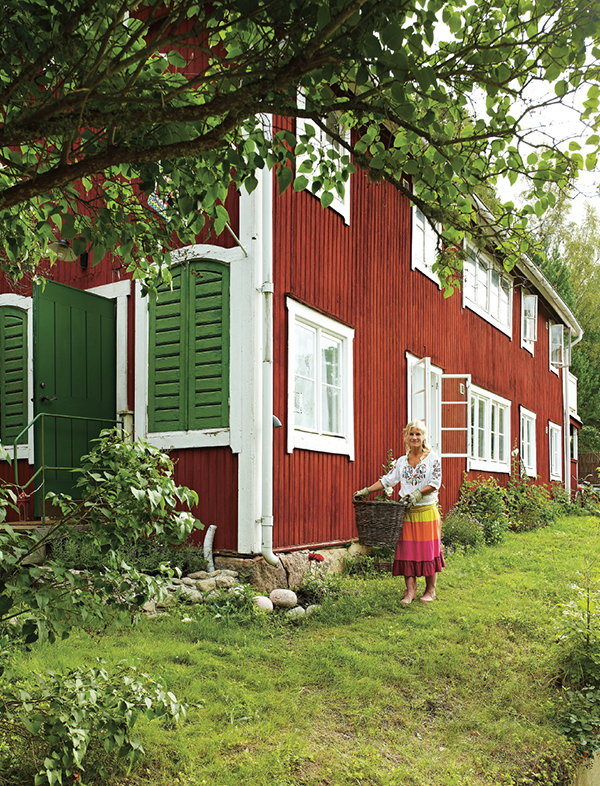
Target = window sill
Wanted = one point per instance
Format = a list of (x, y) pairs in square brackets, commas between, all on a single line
[(166, 440), (323, 444), (489, 466)]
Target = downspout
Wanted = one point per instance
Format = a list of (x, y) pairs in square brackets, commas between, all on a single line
[(267, 370), (567, 419)]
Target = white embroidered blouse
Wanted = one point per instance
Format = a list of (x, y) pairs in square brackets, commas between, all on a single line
[(428, 472)]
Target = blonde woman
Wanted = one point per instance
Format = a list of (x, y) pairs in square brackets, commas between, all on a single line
[(419, 550)]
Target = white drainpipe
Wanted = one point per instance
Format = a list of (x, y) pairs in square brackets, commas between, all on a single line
[(267, 370), (567, 419)]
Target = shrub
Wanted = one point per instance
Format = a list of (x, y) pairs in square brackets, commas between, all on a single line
[(461, 530), (484, 500), (529, 505), (52, 725)]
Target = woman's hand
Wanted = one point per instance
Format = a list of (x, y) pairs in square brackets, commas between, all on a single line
[(413, 498), (361, 495)]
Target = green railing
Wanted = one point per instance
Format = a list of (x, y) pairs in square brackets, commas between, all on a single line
[(43, 467)]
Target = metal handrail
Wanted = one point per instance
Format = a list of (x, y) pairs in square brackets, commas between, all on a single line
[(43, 467)]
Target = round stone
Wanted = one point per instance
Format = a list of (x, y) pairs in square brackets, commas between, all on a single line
[(283, 598), (262, 602)]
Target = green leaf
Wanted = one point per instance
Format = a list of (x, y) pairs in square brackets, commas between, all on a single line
[(285, 175)]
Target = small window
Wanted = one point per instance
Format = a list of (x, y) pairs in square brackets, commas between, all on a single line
[(489, 431), (528, 442), (320, 412), (328, 150), (424, 244), (555, 436), (529, 312), (560, 346), (424, 397), (487, 289)]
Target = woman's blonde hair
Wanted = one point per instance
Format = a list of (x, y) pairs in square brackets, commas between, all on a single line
[(418, 425)]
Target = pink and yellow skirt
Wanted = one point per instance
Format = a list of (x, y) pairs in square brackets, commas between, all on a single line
[(419, 550)]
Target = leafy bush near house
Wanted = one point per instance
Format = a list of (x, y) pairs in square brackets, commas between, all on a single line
[(461, 531), (484, 500), (529, 504)]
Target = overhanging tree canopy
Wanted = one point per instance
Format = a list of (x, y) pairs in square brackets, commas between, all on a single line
[(105, 101)]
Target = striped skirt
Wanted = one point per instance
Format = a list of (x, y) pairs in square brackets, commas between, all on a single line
[(419, 550)]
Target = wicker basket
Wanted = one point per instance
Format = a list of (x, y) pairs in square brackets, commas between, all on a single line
[(379, 523)]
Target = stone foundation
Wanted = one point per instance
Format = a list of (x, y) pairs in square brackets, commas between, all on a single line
[(292, 567)]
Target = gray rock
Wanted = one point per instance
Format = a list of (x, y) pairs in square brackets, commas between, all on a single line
[(149, 607), (283, 598), (167, 601), (206, 585), (192, 596), (312, 608), (199, 574), (262, 576), (296, 612), (297, 565), (188, 582), (224, 582), (262, 602)]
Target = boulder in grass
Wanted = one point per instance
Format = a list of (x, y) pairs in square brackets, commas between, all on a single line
[(283, 598), (296, 612), (262, 602)]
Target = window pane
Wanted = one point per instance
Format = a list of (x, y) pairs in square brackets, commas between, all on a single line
[(481, 430), (331, 410), (305, 382), (330, 384), (504, 309), (495, 294), (501, 434), (482, 285), (494, 435), (469, 268)]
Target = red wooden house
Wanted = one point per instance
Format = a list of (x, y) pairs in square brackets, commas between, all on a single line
[(326, 321)]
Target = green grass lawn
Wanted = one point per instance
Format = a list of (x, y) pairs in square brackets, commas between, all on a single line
[(461, 692)]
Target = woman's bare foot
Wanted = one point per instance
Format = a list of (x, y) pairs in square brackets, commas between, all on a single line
[(427, 597), (408, 598)]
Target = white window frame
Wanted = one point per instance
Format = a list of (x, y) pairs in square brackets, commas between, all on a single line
[(492, 403), (424, 245), (529, 312), (483, 268), (24, 304), (343, 444), (555, 450), (425, 403), (529, 458), (320, 140), (559, 350)]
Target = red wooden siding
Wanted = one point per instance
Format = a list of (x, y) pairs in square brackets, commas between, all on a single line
[(360, 275)]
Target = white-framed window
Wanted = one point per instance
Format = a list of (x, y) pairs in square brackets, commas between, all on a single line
[(560, 346), (332, 151), (425, 397), (528, 441), (555, 438), (487, 290), (489, 445), (16, 373), (529, 312), (320, 394), (424, 244)]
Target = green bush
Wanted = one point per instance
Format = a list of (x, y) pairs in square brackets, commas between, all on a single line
[(484, 500), (530, 505), (461, 530)]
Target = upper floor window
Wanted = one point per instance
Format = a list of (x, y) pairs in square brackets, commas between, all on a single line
[(487, 290), (560, 346), (555, 437), (320, 410), (327, 149), (529, 312), (490, 431), (424, 244), (528, 441)]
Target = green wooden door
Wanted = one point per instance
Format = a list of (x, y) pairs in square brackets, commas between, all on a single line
[(74, 375)]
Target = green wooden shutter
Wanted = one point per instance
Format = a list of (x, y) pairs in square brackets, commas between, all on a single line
[(189, 351), (209, 350), (13, 374), (167, 391)]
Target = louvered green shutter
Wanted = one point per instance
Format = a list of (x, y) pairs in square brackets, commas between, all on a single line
[(13, 374), (189, 351)]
